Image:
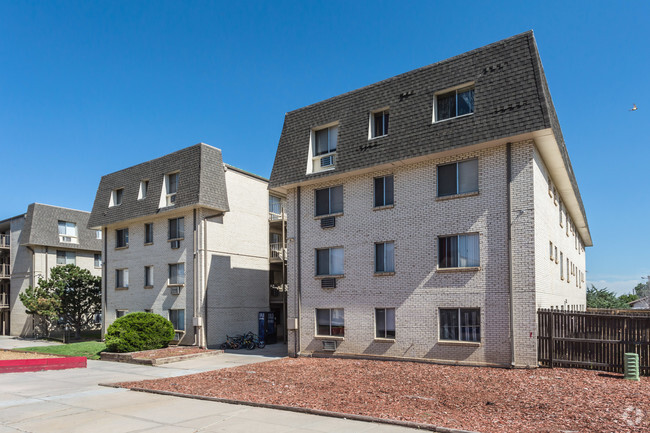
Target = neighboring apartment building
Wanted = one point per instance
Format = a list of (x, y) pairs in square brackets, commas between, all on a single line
[(186, 237), (32, 244), (431, 214)]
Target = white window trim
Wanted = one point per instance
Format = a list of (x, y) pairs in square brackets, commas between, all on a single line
[(169, 267), (113, 199), (142, 191), (313, 161), (390, 339), (447, 90), (330, 336), (125, 278), (371, 123)]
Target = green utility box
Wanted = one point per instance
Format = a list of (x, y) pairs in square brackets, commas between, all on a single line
[(631, 366)]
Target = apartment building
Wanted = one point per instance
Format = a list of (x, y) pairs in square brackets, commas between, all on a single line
[(278, 262), (187, 237), (431, 214), (31, 244)]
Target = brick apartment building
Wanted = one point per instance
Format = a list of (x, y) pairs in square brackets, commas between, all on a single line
[(431, 214)]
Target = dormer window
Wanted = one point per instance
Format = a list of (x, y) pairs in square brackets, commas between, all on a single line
[(323, 148), (379, 123), (454, 103), (144, 187), (68, 232), (116, 197), (172, 188)]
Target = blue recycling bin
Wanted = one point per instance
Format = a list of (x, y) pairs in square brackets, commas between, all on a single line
[(267, 331)]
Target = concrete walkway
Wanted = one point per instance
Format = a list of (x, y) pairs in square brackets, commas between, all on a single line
[(72, 401)]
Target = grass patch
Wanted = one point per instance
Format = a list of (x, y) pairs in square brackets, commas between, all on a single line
[(89, 349)]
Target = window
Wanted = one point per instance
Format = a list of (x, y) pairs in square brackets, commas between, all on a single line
[(144, 187), (460, 324), (561, 266), (172, 188), (177, 274), (379, 124), (455, 103), (121, 238), (177, 317), (67, 232), (148, 276), (116, 197), (329, 261), (176, 228), (385, 257), (275, 207), (555, 254), (121, 278), (325, 140), (329, 200), (66, 258), (120, 313), (460, 251), (385, 323), (384, 191), (568, 271), (148, 233), (98, 260), (561, 210), (551, 249), (98, 234), (330, 322), (458, 178)]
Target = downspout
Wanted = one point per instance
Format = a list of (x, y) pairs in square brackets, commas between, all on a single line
[(298, 300), (510, 288), (195, 284), (105, 281)]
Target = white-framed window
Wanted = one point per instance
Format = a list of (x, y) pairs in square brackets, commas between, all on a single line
[(121, 278), (329, 261), (385, 257), (98, 260), (385, 323), (116, 197), (148, 233), (330, 322), (458, 177), (121, 238), (561, 266), (459, 251), (177, 274), (460, 324), (329, 200), (322, 149), (68, 232), (66, 257), (384, 191), (121, 313), (379, 123), (276, 205), (568, 270), (144, 188), (177, 317), (550, 244), (555, 254), (172, 188), (561, 211), (453, 103), (98, 234), (148, 276), (176, 229)]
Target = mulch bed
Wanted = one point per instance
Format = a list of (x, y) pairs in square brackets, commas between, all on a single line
[(168, 352), (6, 355), (471, 398)]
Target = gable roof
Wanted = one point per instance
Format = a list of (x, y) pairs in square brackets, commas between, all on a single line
[(511, 99), (201, 182), (42, 228)]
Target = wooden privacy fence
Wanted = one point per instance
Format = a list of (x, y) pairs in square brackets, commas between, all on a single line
[(592, 340)]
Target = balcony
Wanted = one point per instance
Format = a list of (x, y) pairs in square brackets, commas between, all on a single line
[(5, 270), (277, 253), (4, 241), (4, 300), (276, 212)]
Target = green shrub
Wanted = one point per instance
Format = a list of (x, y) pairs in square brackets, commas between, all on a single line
[(139, 331)]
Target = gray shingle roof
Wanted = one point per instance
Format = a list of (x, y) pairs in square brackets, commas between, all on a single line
[(42, 228), (201, 182)]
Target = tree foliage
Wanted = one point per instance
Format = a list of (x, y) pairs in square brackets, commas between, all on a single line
[(603, 298), (44, 305), (642, 290), (139, 331)]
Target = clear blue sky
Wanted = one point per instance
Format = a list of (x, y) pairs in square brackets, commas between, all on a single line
[(88, 88)]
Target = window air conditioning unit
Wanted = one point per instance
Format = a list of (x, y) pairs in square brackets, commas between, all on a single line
[(175, 244), (329, 345), (66, 239), (178, 336), (175, 290), (327, 223), (327, 161), (328, 283)]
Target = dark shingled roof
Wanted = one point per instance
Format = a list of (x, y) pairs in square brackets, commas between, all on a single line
[(202, 182), (42, 228), (511, 98)]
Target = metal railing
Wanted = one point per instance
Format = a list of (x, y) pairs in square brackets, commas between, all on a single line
[(5, 241), (5, 270), (277, 252), (4, 300), (276, 211)]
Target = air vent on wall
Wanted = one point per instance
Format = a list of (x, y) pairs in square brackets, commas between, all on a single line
[(175, 290), (326, 161), (328, 222), (328, 283), (329, 345), (175, 244)]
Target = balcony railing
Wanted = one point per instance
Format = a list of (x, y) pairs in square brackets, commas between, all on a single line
[(4, 300), (277, 252), (276, 211), (4, 241), (5, 270)]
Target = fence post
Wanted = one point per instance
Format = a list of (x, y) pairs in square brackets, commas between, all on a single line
[(551, 344)]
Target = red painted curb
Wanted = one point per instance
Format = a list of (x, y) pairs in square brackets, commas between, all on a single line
[(41, 364)]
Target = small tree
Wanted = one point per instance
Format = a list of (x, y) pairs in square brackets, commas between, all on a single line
[(603, 298), (44, 305), (80, 294)]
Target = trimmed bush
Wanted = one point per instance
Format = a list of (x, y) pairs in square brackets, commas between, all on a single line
[(139, 331)]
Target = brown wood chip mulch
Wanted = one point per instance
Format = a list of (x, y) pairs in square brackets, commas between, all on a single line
[(472, 398), (168, 352), (6, 355)]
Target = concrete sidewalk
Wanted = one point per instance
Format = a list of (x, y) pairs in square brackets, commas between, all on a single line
[(72, 401)]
